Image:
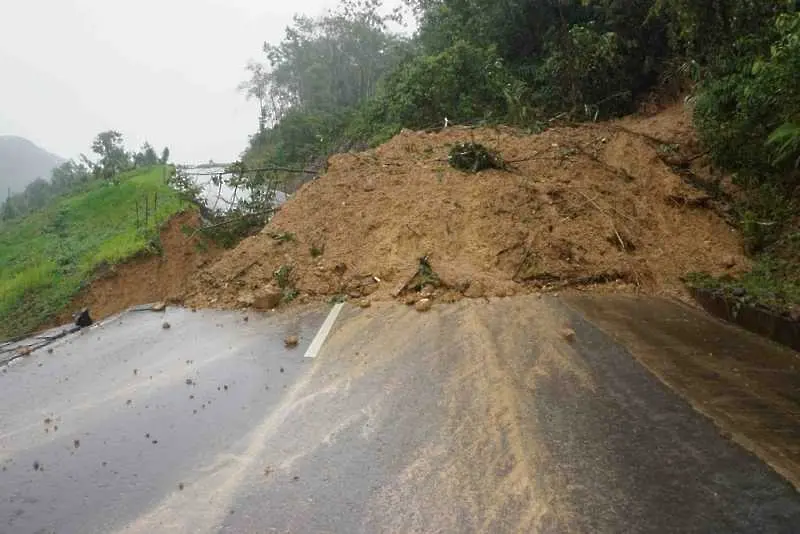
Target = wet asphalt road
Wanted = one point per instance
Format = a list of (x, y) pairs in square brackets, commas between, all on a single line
[(477, 417)]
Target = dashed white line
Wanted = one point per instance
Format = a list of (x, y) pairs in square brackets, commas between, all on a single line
[(324, 330)]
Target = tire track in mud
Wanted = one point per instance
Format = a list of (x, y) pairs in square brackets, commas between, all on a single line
[(481, 472)]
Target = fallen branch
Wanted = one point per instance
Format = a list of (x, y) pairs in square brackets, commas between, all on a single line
[(522, 264), (628, 217), (697, 156), (26, 350), (262, 169), (243, 270), (623, 246), (230, 221)]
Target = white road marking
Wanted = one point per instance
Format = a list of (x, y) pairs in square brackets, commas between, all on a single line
[(324, 330)]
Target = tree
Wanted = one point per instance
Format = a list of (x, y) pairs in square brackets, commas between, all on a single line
[(462, 83), (69, 174), (259, 88), (37, 193), (113, 158), (327, 63), (316, 78), (146, 156), (164, 156)]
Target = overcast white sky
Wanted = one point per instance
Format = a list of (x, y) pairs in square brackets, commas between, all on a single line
[(165, 71)]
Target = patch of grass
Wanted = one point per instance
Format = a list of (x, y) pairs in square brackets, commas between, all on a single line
[(283, 276), (771, 230), (426, 276), (773, 283), (316, 251), (289, 294), (47, 256)]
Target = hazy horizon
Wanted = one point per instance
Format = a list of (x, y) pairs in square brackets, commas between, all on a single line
[(163, 72)]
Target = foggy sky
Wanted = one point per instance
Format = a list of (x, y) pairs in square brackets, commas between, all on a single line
[(164, 71)]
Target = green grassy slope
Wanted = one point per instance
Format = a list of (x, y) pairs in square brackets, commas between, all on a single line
[(46, 257)]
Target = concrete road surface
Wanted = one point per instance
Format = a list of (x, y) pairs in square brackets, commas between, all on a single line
[(482, 416)]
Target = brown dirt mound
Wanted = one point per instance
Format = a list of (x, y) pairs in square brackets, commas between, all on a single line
[(150, 278), (580, 205)]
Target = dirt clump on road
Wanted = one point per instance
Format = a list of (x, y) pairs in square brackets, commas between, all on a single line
[(150, 278), (606, 206)]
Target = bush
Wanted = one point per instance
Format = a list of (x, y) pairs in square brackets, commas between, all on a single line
[(463, 83), (587, 75), (749, 119), (473, 157)]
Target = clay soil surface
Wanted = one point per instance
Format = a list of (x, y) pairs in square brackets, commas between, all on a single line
[(596, 206), (148, 279)]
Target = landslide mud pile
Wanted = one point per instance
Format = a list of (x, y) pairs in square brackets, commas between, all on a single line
[(593, 206)]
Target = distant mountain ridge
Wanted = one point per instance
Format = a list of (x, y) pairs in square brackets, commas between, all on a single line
[(22, 162)]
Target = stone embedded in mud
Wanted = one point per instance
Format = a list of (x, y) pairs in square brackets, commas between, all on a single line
[(411, 299), (83, 319), (568, 334), (267, 298), (165, 325), (364, 303), (159, 306), (423, 305), (369, 289), (291, 341), (728, 262), (474, 290), (427, 291)]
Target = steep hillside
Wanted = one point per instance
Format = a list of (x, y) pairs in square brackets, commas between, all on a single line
[(21, 162), (48, 255)]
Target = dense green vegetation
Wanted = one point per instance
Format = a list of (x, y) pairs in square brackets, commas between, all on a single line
[(345, 77), (345, 80), (47, 256)]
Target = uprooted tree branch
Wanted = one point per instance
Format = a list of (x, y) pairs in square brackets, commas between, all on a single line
[(236, 200)]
